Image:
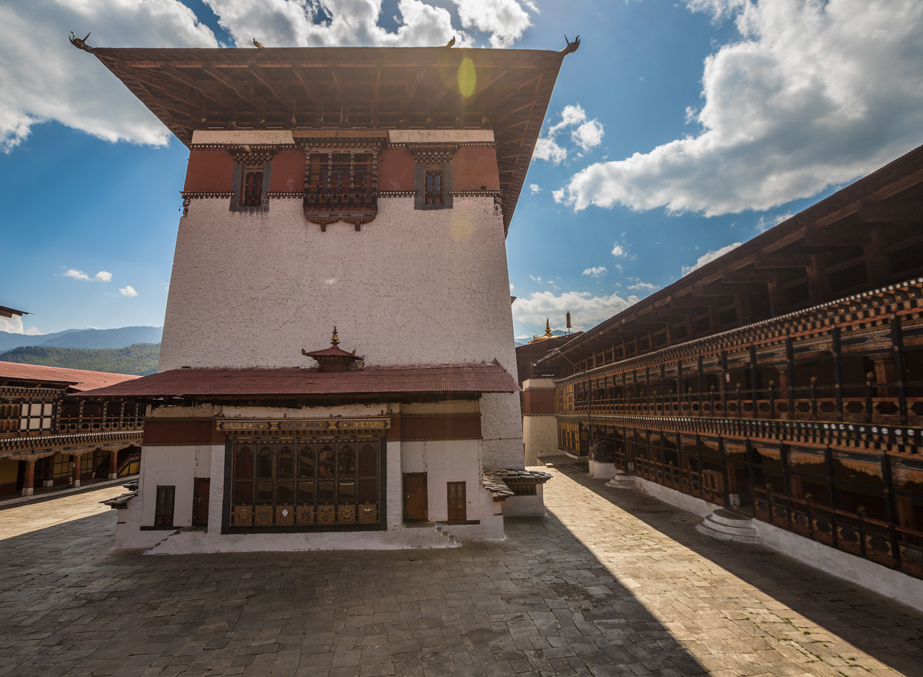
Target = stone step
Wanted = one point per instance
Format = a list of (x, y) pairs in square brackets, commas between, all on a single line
[(623, 481), (730, 527), (454, 542)]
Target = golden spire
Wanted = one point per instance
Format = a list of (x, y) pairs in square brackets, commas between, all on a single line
[(335, 340), (548, 333)]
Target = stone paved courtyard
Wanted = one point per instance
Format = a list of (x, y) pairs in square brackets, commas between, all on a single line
[(608, 584)]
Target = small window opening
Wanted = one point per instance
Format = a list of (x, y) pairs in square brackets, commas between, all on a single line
[(253, 188), (433, 188)]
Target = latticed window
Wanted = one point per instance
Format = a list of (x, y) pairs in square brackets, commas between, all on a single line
[(306, 484), (434, 187), (342, 184), (252, 188)]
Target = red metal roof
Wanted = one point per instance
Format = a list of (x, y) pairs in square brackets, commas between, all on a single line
[(459, 378), (75, 379)]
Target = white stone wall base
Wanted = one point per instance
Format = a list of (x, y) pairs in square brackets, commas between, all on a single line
[(76, 483), (113, 476), (525, 506), (602, 471), (28, 491), (47, 483), (851, 568)]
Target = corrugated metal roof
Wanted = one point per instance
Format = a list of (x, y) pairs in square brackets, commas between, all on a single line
[(459, 378), (76, 379)]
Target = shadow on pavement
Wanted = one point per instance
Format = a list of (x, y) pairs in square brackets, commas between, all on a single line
[(883, 628)]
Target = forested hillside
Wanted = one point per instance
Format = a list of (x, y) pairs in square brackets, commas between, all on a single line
[(140, 358)]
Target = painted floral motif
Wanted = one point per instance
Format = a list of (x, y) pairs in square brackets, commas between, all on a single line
[(368, 514), (285, 515), (263, 516), (243, 516), (304, 514), (326, 514), (347, 514)]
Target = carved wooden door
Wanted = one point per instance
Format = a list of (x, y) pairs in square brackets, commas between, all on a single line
[(200, 501), (455, 493), (415, 498)]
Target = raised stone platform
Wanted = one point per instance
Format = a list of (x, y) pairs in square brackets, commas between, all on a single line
[(730, 526)]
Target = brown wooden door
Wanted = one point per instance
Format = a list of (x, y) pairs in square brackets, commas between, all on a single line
[(455, 491), (200, 501), (415, 499)]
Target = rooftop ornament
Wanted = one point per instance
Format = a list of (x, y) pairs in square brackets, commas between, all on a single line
[(80, 43), (544, 337), (333, 358), (571, 46)]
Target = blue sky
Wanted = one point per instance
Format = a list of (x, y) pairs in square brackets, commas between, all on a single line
[(677, 130)]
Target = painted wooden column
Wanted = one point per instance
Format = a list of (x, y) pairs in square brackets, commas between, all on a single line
[(75, 471), (114, 464), (49, 471), (29, 480)]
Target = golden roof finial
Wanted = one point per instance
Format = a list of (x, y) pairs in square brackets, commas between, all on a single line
[(548, 333), (335, 340)]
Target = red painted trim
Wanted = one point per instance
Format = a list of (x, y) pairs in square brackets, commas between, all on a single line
[(419, 428), (210, 171), (181, 432), (395, 170), (538, 402), (287, 172), (474, 167)]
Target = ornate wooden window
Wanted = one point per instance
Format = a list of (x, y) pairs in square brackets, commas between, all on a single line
[(252, 189), (434, 184), (306, 485), (36, 416), (341, 181)]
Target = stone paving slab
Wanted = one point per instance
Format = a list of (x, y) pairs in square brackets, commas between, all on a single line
[(610, 583)]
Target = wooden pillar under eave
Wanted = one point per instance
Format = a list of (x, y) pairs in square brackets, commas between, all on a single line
[(29, 480), (75, 472), (114, 464)]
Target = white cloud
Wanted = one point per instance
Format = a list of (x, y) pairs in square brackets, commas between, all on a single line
[(767, 222), (644, 286), (511, 286), (76, 274), (535, 279), (505, 20), (45, 78), (619, 252), (13, 325), (709, 257), (128, 290), (546, 149), (535, 188), (558, 195), (298, 23), (586, 310), (809, 95), (588, 135), (597, 271), (101, 276)]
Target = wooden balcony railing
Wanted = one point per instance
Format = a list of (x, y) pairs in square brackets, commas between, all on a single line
[(811, 403), (96, 424)]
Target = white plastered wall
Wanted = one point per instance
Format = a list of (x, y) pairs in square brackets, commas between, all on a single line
[(412, 288)]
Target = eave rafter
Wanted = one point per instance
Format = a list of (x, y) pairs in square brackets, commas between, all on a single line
[(384, 88)]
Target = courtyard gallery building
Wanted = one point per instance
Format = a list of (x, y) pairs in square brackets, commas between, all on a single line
[(49, 439), (783, 379), (338, 343)]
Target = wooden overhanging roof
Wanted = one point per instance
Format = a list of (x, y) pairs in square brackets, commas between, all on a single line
[(74, 380), (348, 88), (9, 312), (867, 235), (205, 384)]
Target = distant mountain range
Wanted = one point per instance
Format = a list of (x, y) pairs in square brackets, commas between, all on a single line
[(84, 338)]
